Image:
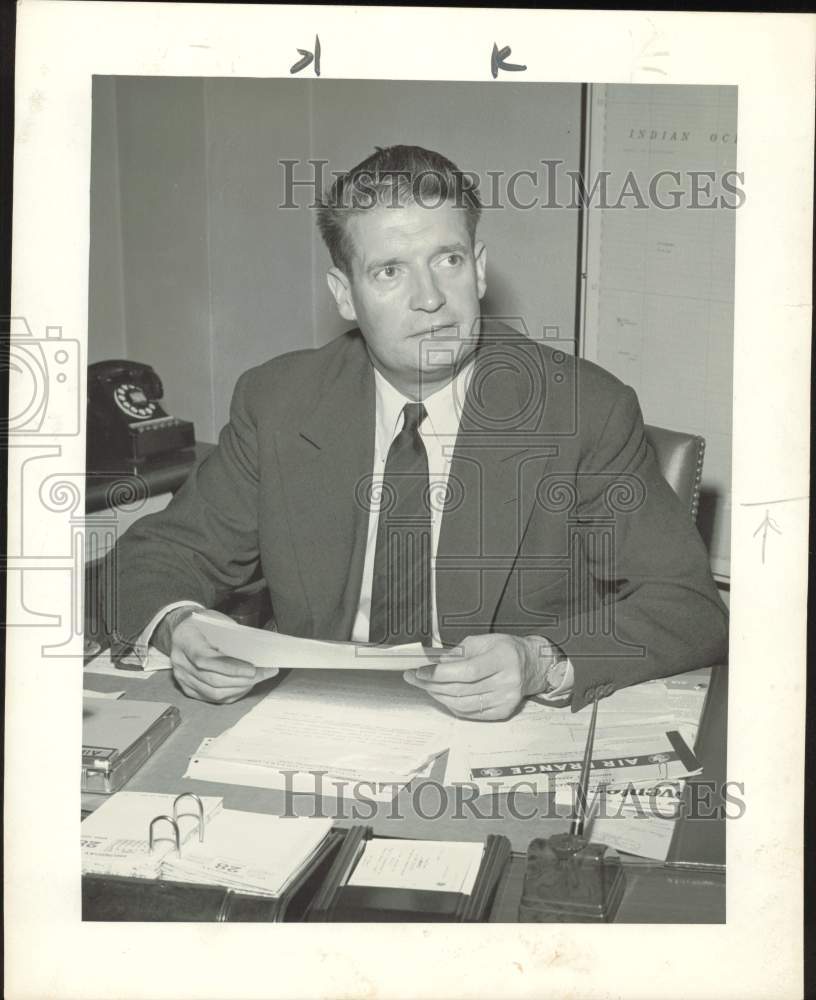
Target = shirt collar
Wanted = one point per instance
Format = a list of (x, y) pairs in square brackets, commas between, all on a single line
[(444, 407)]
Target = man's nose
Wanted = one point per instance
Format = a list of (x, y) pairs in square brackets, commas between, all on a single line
[(426, 295)]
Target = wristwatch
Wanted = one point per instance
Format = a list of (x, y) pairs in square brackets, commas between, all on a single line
[(554, 675)]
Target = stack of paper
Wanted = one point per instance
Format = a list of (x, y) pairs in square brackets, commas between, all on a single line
[(642, 754), (346, 725), (249, 852), (545, 746), (115, 837), (638, 819)]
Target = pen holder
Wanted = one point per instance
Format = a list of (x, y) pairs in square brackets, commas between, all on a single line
[(570, 880)]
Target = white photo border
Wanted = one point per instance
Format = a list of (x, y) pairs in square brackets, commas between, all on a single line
[(758, 952)]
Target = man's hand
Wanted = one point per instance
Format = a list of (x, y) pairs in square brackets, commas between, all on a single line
[(201, 670), (486, 676)]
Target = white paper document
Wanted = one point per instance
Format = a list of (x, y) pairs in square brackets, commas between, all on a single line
[(103, 664), (349, 725), (645, 836), (648, 709), (437, 865), (645, 753), (661, 799), (263, 648), (355, 727), (638, 819), (235, 772)]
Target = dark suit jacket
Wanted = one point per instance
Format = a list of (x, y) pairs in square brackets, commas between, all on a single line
[(557, 522)]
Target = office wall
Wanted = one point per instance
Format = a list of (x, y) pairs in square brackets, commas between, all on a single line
[(196, 270), (165, 233), (106, 300), (660, 302)]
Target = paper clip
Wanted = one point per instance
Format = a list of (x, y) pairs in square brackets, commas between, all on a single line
[(191, 795), (173, 823)]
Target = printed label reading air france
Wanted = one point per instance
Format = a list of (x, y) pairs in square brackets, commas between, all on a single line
[(573, 765)]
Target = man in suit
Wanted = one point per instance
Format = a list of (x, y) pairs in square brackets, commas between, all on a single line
[(434, 476)]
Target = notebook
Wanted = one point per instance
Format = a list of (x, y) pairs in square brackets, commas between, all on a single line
[(249, 852), (115, 838), (243, 851)]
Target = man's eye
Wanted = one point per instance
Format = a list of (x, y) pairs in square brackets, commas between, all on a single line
[(387, 273), (452, 260)]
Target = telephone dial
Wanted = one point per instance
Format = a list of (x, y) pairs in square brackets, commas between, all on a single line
[(125, 418)]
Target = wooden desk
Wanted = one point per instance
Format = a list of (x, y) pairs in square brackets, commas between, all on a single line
[(654, 893)]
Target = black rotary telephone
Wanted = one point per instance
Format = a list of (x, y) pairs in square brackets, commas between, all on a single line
[(125, 419)]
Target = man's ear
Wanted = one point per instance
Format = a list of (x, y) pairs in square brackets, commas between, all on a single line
[(340, 287), (480, 258)]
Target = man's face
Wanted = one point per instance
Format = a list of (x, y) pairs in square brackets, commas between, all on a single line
[(414, 291)]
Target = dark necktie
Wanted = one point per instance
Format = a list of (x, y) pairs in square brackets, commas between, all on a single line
[(401, 587)]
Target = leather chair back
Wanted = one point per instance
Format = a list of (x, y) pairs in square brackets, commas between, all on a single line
[(680, 459)]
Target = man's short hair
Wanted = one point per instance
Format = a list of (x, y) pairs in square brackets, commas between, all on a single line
[(394, 176)]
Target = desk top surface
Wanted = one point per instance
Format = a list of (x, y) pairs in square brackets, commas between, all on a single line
[(423, 810)]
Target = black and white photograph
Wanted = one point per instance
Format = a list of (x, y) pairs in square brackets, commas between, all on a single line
[(415, 570), (354, 357)]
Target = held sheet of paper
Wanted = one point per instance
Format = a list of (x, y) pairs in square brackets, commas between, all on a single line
[(263, 648)]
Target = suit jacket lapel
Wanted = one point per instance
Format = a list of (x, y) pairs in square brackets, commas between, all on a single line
[(497, 456), (326, 466)]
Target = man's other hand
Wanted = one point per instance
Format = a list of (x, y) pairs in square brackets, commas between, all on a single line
[(205, 673), (485, 678)]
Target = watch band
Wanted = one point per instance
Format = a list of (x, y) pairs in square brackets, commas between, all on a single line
[(550, 684)]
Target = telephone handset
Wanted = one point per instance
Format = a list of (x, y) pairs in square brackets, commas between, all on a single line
[(125, 418)]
